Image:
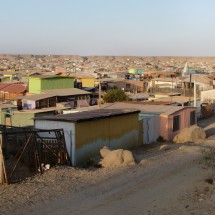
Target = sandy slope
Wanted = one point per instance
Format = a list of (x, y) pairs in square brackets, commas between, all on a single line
[(166, 182)]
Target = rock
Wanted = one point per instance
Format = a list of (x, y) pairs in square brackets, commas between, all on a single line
[(113, 158), (191, 134), (105, 151), (164, 147), (116, 158), (128, 158)]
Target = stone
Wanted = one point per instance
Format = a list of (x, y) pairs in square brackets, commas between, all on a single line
[(128, 158), (105, 151), (116, 158), (191, 134)]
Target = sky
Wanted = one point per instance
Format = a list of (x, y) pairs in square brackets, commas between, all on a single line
[(108, 27)]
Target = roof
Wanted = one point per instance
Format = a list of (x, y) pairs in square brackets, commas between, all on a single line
[(167, 79), (48, 76), (199, 78), (2, 106), (153, 102), (41, 110), (88, 115), (84, 75), (36, 97), (53, 93), (13, 87), (177, 99), (66, 92), (159, 109)]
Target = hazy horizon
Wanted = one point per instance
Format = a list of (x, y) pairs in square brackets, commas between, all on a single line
[(142, 28)]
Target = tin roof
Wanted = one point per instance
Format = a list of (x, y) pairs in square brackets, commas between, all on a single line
[(176, 99), (50, 109), (48, 76), (88, 115), (158, 109), (13, 87), (53, 93), (66, 92), (36, 97)]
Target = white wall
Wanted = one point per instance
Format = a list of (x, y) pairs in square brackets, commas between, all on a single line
[(69, 133), (151, 129)]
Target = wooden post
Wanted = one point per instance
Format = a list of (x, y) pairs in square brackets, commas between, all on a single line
[(3, 173)]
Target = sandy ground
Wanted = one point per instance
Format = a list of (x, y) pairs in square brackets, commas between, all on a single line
[(166, 181)]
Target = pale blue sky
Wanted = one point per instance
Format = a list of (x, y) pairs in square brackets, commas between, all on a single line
[(108, 27)]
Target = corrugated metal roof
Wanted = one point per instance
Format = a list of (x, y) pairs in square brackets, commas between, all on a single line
[(159, 109), (41, 110), (176, 99), (13, 87), (88, 115), (48, 76), (66, 92), (53, 93), (36, 97)]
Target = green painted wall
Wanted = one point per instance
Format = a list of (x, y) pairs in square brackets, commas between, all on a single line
[(21, 119), (5, 79), (3, 113), (57, 83), (36, 85)]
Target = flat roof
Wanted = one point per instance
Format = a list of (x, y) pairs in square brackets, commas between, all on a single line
[(66, 92), (2, 106), (177, 99), (36, 97), (53, 93), (41, 110), (88, 115), (158, 109), (48, 76)]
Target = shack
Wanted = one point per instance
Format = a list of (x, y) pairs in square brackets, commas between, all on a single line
[(45, 82), (164, 121), (88, 131)]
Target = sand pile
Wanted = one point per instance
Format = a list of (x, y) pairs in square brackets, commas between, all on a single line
[(116, 157), (191, 134)]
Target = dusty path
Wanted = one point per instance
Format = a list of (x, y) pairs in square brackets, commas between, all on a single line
[(158, 186)]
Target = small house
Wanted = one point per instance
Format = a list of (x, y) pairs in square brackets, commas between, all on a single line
[(41, 82), (11, 91), (88, 131), (51, 98), (160, 120)]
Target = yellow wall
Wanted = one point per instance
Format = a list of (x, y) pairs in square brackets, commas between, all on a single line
[(132, 71), (88, 82), (114, 132)]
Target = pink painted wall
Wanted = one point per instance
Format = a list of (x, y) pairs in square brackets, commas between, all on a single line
[(166, 123)]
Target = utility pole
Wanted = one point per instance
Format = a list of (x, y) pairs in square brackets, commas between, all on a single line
[(99, 102), (195, 94), (190, 88)]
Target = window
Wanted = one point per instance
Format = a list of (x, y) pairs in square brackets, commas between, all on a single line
[(176, 123), (127, 86), (192, 117)]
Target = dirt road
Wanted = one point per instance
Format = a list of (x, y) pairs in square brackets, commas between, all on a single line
[(160, 185)]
